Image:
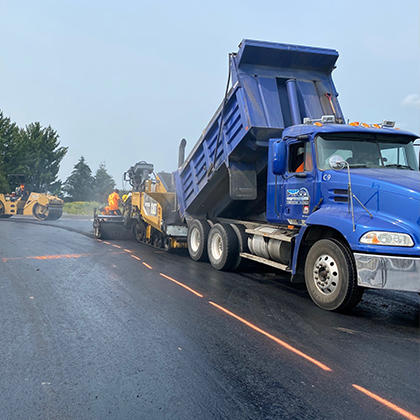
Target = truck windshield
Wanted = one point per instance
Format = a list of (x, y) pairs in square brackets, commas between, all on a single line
[(367, 151)]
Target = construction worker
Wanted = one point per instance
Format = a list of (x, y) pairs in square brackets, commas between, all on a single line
[(305, 159), (20, 190), (300, 163), (113, 203)]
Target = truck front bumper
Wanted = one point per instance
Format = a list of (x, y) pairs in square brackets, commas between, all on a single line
[(388, 272)]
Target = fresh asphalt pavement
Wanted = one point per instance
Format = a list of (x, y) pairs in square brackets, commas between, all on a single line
[(115, 329)]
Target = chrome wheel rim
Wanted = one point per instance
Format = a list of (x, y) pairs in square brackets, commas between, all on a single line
[(217, 246), (194, 239), (325, 274)]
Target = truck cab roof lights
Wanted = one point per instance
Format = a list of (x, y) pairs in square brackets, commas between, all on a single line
[(325, 119), (388, 124), (384, 124), (328, 119)]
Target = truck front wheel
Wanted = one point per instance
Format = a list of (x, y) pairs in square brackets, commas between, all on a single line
[(330, 276), (198, 232)]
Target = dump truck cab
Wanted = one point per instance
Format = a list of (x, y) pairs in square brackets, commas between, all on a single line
[(359, 185)]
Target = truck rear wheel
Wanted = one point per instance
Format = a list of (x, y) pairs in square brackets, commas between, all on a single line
[(223, 247), (198, 232), (330, 276)]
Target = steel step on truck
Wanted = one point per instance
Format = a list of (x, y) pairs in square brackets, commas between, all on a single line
[(278, 177)]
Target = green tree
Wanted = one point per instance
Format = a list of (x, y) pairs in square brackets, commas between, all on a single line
[(103, 183), (34, 151), (40, 155), (9, 132), (56, 188), (79, 185)]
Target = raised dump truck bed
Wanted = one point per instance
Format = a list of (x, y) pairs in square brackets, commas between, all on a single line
[(272, 86)]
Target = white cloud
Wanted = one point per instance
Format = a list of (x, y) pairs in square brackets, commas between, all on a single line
[(412, 99)]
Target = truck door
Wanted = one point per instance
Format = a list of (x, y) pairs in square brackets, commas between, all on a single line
[(299, 182)]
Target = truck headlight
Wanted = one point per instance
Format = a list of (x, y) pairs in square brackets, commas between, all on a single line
[(387, 238)]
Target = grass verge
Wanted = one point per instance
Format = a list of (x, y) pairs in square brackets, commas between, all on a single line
[(82, 208)]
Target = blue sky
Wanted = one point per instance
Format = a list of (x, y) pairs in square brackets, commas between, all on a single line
[(125, 81)]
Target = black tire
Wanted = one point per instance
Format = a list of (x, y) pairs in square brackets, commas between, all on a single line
[(167, 244), (157, 239), (331, 277), (242, 244), (198, 232), (97, 232), (223, 247), (139, 230)]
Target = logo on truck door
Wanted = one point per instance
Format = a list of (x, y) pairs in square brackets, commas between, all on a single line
[(297, 196)]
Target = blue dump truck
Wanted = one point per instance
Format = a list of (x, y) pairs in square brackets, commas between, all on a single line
[(278, 177)]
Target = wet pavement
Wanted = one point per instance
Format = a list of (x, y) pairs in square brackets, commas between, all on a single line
[(115, 329)]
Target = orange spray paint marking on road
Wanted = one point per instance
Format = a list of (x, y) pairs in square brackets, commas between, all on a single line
[(148, 266), (57, 257), (108, 243), (128, 250), (135, 257), (116, 246), (272, 337), (45, 257), (182, 285), (386, 403), (52, 257)]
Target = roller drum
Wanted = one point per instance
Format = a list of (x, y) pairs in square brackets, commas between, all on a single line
[(54, 213)]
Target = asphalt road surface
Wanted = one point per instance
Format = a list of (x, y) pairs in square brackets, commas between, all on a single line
[(98, 329)]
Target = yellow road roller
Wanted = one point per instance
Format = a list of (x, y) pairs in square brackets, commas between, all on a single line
[(21, 201), (41, 206)]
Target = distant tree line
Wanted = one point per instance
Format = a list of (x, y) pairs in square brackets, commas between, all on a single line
[(81, 185), (35, 152)]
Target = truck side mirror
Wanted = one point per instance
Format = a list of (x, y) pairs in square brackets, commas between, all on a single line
[(279, 158)]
